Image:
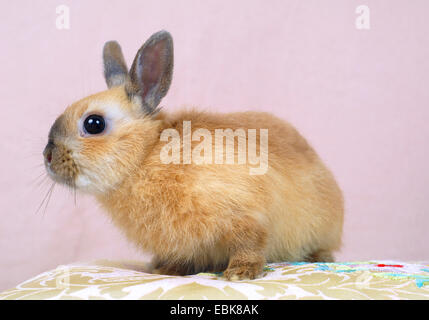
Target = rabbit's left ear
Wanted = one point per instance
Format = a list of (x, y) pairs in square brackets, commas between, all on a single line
[(152, 71), (115, 68)]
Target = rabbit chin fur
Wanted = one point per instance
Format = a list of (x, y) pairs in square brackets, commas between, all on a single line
[(195, 217)]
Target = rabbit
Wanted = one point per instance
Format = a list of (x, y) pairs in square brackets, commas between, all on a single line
[(192, 217)]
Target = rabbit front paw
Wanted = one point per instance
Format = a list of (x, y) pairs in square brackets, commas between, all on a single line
[(243, 270)]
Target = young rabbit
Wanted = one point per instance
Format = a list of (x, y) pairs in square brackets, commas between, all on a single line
[(193, 217)]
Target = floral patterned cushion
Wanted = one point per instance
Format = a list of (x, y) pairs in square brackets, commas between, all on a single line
[(123, 280)]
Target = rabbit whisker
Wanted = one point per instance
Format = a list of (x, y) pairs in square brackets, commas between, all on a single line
[(45, 197), (51, 190)]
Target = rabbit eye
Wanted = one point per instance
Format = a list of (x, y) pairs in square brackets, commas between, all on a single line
[(94, 124)]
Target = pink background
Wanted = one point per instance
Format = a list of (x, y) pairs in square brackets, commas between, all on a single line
[(359, 96)]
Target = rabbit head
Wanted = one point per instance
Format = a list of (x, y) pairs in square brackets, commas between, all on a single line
[(99, 140)]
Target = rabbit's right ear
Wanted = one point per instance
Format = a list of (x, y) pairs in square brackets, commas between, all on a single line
[(152, 71), (115, 68)]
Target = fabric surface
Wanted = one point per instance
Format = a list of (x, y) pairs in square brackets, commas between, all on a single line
[(123, 280)]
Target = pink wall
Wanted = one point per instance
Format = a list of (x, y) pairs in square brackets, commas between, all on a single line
[(360, 97)]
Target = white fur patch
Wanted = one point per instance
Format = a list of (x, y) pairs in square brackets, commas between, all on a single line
[(82, 181), (109, 109)]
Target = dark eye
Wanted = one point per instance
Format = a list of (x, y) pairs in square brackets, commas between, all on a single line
[(94, 124)]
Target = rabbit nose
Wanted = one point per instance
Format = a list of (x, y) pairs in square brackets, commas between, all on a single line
[(49, 156), (48, 151)]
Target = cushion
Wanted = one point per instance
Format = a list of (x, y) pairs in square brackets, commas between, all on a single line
[(288, 280)]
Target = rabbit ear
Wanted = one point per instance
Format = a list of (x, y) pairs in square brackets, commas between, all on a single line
[(152, 70), (115, 68)]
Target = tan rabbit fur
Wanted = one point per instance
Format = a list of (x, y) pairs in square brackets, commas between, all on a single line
[(194, 217)]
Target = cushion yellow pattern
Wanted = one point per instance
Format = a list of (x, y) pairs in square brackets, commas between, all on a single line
[(123, 280)]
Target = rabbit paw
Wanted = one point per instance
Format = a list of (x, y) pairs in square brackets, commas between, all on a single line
[(245, 271)]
